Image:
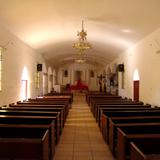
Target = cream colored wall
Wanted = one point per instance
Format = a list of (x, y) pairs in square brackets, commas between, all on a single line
[(144, 57), (85, 68), (17, 56)]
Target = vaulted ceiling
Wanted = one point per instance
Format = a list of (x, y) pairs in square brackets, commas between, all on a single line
[(50, 26)]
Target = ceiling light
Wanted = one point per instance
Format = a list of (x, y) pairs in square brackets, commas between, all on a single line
[(82, 44), (126, 31)]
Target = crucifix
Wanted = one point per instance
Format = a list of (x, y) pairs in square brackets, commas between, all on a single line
[(101, 77)]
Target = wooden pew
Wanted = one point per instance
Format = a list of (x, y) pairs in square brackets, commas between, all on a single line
[(54, 115), (51, 101), (103, 98), (66, 99), (117, 107), (110, 114), (61, 94), (91, 93), (93, 97), (63, 108), (145, 149), (42, 104), (24, 143), (114, 124), (135, 132), (42, 109), (103, 102), (32, 122)]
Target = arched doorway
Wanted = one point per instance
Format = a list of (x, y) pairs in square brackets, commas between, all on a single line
[(136, 83)]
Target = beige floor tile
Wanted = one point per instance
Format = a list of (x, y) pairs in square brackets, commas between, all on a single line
[(63, 158), (65, 147), (82, 147), (103, 158), (101, 153), (81, 138), (82, 156), (63, 154)]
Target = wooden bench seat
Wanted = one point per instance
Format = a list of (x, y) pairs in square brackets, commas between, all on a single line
[(42, 104), (49, 102), (61, 94), (90, 93), (92, 96), (145, 149), (114, 124), (111, 114), (31, 122), (24, 143), (107, 108), (57, 97), (103, 98), (96, 105), (54, 115), (135, 132), (62, 107), (42, 109)]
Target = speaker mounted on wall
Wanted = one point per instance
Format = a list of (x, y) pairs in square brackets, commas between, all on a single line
[(121, 67), (39, 67)]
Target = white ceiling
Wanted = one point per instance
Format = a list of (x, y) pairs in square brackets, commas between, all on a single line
[(50, 26)]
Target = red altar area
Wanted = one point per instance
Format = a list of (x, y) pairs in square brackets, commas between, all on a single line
[(79, 86)]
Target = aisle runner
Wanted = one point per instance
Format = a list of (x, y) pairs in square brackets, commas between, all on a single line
[(81, 138)]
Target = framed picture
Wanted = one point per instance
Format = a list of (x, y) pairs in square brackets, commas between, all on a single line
[(65, 73), (92, 74)]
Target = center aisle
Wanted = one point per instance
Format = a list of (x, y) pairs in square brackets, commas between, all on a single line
[(81, 138)]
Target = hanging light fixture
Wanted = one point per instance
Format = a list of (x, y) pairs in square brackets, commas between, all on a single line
[(82, 44), (80, 58)]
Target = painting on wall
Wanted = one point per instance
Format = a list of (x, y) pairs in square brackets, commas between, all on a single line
[(65, 73), (92, 74)]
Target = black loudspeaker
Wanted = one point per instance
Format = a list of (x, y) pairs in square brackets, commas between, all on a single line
[(121, 67), (39, 67)]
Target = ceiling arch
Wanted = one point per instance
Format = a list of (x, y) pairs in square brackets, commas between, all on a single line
[(50, 26)]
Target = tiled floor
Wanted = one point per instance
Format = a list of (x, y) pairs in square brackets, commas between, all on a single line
[(81, 138)]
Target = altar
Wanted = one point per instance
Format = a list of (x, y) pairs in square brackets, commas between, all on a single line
[(79, 86)]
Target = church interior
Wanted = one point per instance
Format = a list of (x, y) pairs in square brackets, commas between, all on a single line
[(79, 80)]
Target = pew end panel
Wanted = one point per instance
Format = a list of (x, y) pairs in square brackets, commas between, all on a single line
[(136, 153), (23, 145), (120, 154), (145, 149)]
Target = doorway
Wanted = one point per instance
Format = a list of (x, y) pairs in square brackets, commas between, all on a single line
[(78, 76), (136, 90), (136, 86)]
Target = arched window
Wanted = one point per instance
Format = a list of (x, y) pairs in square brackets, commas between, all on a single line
[(0, 69)]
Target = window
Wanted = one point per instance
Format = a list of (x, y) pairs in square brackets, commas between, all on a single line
[(0, 69), (37, 80), (24, 91)]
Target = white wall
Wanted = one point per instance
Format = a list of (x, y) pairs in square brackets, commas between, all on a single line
[(85, 68), (17, 56), (144, 57)]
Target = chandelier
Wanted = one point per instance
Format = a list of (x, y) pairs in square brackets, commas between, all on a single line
[(80, 58), (82, 44)]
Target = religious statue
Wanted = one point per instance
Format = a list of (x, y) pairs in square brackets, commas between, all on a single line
[(100, 82), (100, 85), (104, 86)]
